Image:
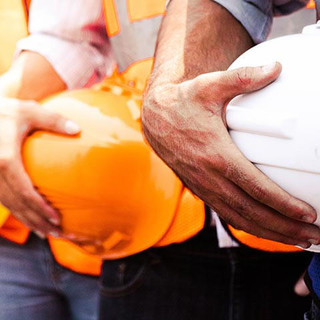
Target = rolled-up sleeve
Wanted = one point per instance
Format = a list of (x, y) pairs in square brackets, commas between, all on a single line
[(71, 36), (256, 15)]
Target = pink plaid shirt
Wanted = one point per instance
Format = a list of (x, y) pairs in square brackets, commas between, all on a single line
[(71, 35)]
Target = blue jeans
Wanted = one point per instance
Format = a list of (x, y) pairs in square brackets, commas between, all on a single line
[(34, 287), (196, 280)]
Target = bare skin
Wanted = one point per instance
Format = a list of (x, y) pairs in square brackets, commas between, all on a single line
[(301, 288), (30, 77), (184, 121)]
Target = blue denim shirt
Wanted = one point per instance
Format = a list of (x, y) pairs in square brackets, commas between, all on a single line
[(257, 15)]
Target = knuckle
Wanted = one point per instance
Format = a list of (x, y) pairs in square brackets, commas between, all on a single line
[(244, 76), (258, 192), (200, 92), (231, 170), (218, 163), (25, 195), (25, 116), (257, 218), (237, 205), (244, 209), (295, 231), (53, 119), (26, 109), (194, 86), (34, 221), (241, 224), (4, 163)]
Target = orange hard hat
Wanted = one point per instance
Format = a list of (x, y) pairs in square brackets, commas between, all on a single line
[(114, 193)]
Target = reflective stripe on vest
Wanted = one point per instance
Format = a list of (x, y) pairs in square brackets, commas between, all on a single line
[(133, 27)]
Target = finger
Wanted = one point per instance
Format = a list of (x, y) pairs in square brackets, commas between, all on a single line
[(240, 210), (35, 222), (20, 185), (243, 80), (218, 189), (42, 119), (249, 178), (29, 218), (233, 218), (238, 169), (265, 216)]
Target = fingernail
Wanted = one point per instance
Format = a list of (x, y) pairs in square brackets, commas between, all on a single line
[(269, 67), (71, 127), (54, 221), (40, 234)]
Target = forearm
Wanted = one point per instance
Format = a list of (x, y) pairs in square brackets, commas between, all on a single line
[(31, 77), (184, 120), (197, 36)]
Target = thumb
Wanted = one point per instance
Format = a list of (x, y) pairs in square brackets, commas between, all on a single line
[(246, 79), (42, 119)]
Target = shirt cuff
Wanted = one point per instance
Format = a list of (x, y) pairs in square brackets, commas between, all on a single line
[(76, 63), (256, 20)]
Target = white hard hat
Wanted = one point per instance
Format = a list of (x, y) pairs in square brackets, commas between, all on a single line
[(278, 127)]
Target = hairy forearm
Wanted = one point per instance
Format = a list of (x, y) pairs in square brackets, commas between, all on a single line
[(184, 120), (31, 77), (197, 36)]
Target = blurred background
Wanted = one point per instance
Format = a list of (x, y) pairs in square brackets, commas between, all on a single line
[(293, 23)]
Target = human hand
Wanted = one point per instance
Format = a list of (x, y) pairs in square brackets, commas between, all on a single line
[(301, 288), (185, 124), (18, 119)]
